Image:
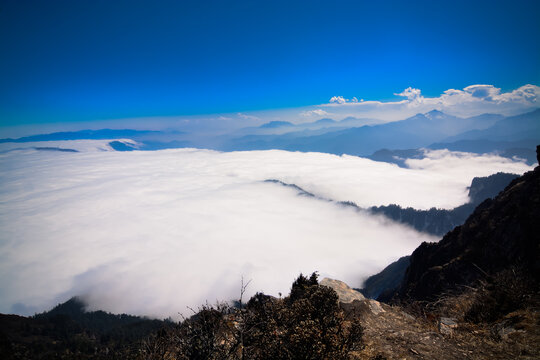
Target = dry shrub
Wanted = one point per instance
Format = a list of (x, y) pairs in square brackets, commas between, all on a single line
[(501, 294), (208, 334), (308, 324), (489, 300)]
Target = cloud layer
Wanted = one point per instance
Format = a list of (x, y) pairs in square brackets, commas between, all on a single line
[(153, 232)]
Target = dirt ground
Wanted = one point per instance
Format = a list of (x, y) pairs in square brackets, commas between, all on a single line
[(395, 334)]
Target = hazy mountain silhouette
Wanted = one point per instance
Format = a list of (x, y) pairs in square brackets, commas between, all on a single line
[(512, 136), (514, 128), (101, 134), (416, 131), (275, 124)]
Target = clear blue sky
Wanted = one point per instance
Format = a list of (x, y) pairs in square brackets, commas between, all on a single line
[(78, 60)]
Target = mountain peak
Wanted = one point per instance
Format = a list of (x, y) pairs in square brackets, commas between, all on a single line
[(275, 124), (324, 121), (434, 114)]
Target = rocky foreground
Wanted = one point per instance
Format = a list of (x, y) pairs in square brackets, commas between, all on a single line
[(396, 332)]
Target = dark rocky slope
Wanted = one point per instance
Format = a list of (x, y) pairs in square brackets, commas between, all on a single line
[(501, 234), (381, 286), (387, 281)]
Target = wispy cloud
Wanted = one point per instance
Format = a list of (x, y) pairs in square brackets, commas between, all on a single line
[(247, 117), (316, 112)]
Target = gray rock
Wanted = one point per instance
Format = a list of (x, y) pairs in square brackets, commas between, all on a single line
[(375, 307), (447, 325), (345, 293)]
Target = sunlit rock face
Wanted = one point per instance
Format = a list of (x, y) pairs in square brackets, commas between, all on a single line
[(345, 293)]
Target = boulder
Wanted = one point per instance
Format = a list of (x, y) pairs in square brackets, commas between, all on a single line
[(447, 325), (345, 293)]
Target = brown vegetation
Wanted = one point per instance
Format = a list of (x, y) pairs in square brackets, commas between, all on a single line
[(308, 324)]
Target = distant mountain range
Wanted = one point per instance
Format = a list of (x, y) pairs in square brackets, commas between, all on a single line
[(513, 136), (276, 124), (417, 131), (101, 134)]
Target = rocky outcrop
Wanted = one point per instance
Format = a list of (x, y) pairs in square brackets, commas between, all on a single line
[(487, 187), (345, 293), (351, 298)]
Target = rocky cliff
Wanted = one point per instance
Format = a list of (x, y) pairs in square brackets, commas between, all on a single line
[(501, 234)]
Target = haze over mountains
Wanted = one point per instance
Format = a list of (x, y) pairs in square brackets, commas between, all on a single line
[(421, 130), (508, 136)]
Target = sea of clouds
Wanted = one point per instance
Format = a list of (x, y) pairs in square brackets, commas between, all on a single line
[(152, 233)]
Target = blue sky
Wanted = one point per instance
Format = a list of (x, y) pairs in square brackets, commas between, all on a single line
[(75, 61)]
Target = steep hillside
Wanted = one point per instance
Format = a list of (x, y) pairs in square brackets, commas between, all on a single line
[(501, 234), (434, 221)]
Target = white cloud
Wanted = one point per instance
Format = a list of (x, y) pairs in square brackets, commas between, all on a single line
[(338, 100), (341, 100), (411, 93), (472, 100), (248, 117), (153, 232), (525, 95)]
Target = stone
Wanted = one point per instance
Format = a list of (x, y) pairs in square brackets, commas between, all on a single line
[(375, 307), (345, 293), (447, 325)]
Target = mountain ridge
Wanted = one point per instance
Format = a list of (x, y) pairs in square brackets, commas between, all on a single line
[(340, 137)]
